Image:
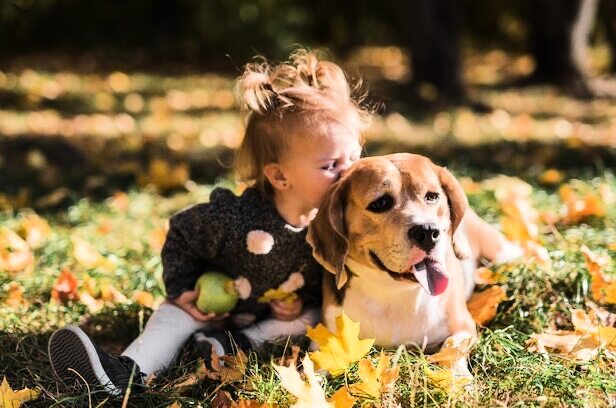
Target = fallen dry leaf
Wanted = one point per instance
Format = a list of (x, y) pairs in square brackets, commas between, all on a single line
[(376, 380), (602, 287), (16, 295), (15, 254), (452, 352), (65, 287), (485, 276), (482, 305), (143, 298), (88, 256), (309, 394), (582, 344), (342, 399), (449, 380), (453, 375), (578, 208), (338, 350), (35, 230), (14, 399)]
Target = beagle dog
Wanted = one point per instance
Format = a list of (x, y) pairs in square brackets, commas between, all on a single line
[(392, 233)]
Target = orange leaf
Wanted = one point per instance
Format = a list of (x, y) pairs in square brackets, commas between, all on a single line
[(143, 298), (602, 287), (485, 276), (15, 254), (342, 399), (156, 238), (15, 298), (483, 305), (65, 288), (14, 399)]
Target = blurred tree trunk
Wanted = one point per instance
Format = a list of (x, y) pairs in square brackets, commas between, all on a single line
[(431, 29), (559, 39)]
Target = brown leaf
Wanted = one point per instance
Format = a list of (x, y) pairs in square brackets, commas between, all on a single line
[(65, 288), (483, 305)]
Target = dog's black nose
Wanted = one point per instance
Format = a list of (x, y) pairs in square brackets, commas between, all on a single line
[(425, 236)]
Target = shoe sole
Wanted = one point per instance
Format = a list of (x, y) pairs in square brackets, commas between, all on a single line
[(75, 360)]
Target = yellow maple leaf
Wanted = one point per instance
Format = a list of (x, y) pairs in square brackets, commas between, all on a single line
[(603, 288), (14, 399), (337, 351), (452, 375), (277, 294), (309, 394), (449, 380), (376, 380), (453, 352), (483, 305), (342, 399)]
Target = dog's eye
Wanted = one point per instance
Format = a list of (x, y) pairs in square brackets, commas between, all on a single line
[(431, 197), (381, 204)]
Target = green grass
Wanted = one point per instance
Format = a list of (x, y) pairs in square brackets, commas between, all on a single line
[(68, 141), (505, 372)]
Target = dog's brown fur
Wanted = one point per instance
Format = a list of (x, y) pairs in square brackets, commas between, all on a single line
[(373, 255)]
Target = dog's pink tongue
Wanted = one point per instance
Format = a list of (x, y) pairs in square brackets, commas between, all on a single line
[(431, 277)]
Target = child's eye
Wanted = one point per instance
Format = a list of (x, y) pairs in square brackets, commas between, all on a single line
[(329, 166)]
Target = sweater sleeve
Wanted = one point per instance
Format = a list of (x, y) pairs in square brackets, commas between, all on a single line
[(194, 239)]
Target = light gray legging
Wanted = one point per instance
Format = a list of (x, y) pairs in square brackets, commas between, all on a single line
[(169, 327)]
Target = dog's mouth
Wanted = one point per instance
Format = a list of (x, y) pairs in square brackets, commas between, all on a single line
[(429, 273)]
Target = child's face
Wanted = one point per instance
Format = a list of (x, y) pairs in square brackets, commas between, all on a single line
[(312, 164)]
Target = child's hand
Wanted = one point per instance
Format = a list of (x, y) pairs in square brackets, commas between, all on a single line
[(286, 311), (186, 301)]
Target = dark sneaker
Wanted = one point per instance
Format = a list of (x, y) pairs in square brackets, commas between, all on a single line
[(77, 361)]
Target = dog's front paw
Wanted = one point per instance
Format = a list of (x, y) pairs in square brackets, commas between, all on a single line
[(508, 253)]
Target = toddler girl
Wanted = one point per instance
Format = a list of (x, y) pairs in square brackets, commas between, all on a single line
[(303, 131)]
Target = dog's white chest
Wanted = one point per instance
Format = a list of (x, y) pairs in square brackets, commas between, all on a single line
[(394, 314)]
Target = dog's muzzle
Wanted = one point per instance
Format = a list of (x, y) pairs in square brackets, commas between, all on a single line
[(425, 236)]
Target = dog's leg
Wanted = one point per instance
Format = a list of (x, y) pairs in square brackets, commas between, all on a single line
[(487, 242)]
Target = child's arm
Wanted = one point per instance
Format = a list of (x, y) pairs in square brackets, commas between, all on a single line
[(192, 242), (186, 301)]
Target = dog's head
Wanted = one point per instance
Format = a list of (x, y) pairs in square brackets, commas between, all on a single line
[(394, 213)]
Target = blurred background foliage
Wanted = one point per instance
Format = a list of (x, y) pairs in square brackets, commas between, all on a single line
[(97, 96), (211, 33)]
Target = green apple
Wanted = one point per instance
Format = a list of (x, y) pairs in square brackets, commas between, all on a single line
[(217, 293)]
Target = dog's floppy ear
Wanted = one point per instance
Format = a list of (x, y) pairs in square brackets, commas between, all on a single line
[(327, 232), (457, 206)]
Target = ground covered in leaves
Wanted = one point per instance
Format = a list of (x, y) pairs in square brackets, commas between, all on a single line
[(80, 244)]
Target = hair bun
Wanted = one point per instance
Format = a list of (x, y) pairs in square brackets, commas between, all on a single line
[(255, 89)]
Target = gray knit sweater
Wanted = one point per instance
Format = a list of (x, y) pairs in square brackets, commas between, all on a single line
[(214, 236)]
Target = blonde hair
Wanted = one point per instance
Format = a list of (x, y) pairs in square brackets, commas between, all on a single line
[(284, 99)]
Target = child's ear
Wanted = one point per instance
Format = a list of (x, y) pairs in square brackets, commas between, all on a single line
[(275, 176)]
